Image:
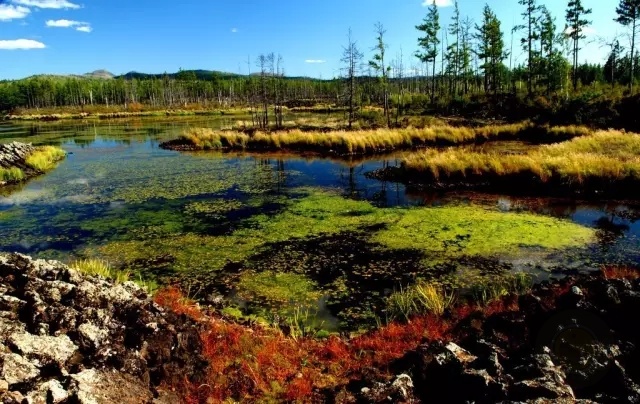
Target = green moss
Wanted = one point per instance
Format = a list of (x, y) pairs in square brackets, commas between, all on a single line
[(232, 312), (474, 230), (277, 287)]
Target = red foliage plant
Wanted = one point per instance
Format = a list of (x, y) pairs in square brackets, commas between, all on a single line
[(620, 272), (255, 363)]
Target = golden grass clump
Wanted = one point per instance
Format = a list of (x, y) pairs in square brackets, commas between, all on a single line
[(364, 141), (418, 299), (605, 154), (45, 158)]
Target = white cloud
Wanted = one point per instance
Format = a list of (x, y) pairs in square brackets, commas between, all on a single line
[(234, 30), (439, 3), (62, 23), (57, 4), (79, 25), (8, 13), (21, 44), (315, 61)]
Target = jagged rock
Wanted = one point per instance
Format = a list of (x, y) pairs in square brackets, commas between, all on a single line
[(550, 382), (57, 324), (17, 370), (98, 387), (400, 390), (44, 350), (50, 392)]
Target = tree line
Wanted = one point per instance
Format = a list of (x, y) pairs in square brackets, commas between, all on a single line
[(455, 60)]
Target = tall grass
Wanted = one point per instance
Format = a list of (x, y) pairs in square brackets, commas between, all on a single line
[(12, 174), (365, 141), (45, 158), (417, 299), (605, 155), (97, 267)]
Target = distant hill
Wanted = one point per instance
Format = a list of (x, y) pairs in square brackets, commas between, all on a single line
[(199, 74), (99, 74)]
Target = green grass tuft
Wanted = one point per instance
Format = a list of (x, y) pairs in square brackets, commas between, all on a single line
[(12, 174)]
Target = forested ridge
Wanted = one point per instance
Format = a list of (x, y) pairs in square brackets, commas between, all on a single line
[(461, 66)]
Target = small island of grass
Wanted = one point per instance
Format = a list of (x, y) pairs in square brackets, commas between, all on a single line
[(20, 161)]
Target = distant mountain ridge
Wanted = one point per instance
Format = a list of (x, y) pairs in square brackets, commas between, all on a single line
[(198, 74)]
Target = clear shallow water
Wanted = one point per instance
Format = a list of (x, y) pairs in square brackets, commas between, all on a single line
[(202, 216)]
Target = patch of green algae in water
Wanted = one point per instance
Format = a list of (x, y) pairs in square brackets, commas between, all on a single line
[(440, 233)]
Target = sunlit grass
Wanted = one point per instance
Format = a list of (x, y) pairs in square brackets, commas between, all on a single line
[(12, 174), (364, 141), (96, 267), (421, 298), (605, 154), (102, 268), (45, 158)]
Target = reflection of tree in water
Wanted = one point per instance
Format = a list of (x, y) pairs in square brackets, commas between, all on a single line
[(350, 177), (612, 226), (274, 174)]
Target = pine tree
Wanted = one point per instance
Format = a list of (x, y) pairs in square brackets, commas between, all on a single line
[(491, 49), (628, 15), (576, 23), (429, 43), (529, 27)]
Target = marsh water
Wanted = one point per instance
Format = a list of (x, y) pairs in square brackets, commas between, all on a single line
[(270, 233)]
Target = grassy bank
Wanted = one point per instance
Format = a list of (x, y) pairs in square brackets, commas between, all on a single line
[(605, 155), (366, 141), (43, 159)]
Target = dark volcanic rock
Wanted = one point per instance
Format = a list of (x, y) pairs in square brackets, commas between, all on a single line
[(67, 337), (575, 340)]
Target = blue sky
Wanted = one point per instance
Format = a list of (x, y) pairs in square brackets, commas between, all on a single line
[(154, 36)]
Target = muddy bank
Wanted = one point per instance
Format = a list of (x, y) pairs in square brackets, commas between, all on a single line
[(69, 338), (520, 184)]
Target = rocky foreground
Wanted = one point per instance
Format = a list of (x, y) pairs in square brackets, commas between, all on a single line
[(69, 338)]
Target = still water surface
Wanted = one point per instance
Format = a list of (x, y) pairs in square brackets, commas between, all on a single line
[(230, 223)]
